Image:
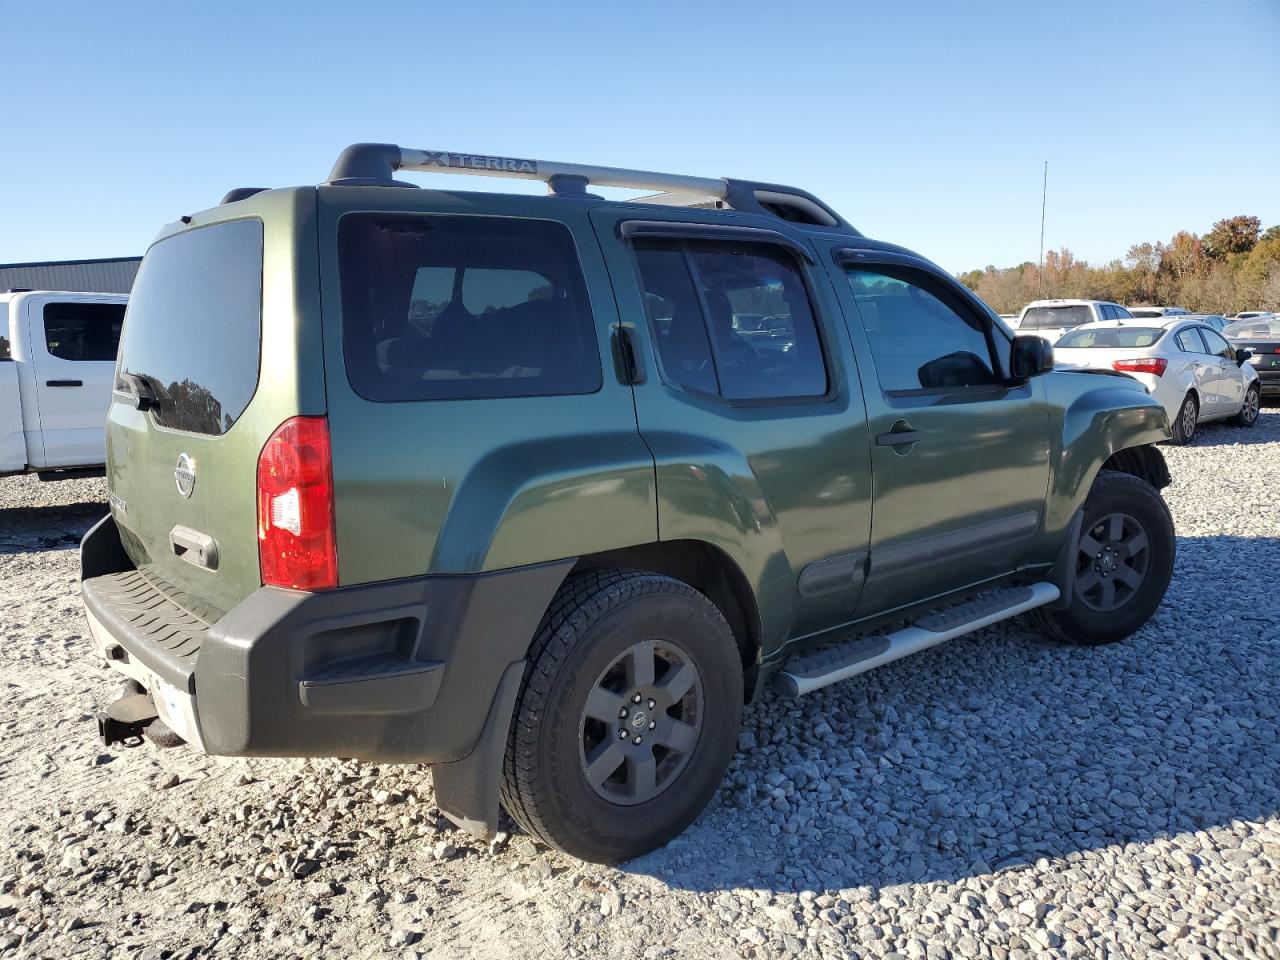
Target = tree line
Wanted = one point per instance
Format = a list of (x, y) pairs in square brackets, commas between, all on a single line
[(1233, 267)]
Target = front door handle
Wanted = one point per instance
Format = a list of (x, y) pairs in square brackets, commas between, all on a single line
[(64, 383), (900, 435)]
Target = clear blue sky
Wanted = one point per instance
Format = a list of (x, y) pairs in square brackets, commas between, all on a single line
[(923, 121)]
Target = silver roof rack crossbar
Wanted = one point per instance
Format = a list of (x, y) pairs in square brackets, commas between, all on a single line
[(374, 164)]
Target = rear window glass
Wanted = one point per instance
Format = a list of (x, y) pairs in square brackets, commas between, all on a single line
[(1111, 337), (1054, 318), (83, 331), (194, 323), (1253, 330), (447, 308)]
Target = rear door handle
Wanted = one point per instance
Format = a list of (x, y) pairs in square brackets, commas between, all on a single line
[(64, 383)]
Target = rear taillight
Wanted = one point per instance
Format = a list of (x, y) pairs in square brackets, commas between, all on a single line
[(296, 543), (1155, 365)]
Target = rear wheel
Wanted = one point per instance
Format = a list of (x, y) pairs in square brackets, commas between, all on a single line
[(1248, 414), (1184, 424), (627, 718), (1123, 565)]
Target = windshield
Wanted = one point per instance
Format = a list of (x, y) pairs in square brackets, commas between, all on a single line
[(1253, 330), (1053, 318), (1145, 313), (1110, 337)]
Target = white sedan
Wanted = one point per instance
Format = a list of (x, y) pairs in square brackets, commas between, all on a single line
[(1185, 364)]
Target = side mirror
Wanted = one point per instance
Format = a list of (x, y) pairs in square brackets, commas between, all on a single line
[(1030, 357), (1242, 357)]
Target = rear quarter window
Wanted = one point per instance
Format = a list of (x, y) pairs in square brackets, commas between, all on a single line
[(438, 307), (83, 331), (194, 325)]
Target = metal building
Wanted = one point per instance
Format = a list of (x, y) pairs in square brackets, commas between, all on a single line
[(88, 276)]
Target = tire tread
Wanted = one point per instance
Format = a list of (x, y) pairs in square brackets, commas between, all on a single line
[(581, 602), (1051, 622)]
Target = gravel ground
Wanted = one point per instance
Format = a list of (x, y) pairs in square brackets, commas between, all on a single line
[(996, 797)]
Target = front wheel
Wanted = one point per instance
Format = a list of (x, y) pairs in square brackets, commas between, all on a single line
[(1248, 414), (627, 718), (1124, 562)]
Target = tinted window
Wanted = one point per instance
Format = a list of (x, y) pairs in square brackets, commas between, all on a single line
[(1147, 314), (194, 323), (1110, 337), (675, 317), (918, 341), (444, 308), (83, 331), (1216, 344), (1122, 313), (732, 320), (1189, 341), (1054, 318)]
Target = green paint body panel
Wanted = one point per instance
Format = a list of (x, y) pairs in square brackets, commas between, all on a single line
[(463, 486), (471, 486)]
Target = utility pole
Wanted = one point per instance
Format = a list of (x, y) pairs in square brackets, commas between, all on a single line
[(1044, 196)]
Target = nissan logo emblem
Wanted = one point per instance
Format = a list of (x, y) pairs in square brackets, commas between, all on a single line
[(184, 474)]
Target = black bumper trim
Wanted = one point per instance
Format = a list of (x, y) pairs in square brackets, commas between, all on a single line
[(404, 671), (379, 687)]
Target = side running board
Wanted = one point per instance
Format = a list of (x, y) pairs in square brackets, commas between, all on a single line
[(833, 664)]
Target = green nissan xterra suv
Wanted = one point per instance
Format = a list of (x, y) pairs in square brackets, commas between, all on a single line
[(540, 490)]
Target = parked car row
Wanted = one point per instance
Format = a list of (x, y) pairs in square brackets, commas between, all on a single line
[(1199, 366), (1183, 362)]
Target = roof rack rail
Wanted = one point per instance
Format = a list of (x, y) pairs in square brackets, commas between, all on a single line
[(242, 193), (374, 164)]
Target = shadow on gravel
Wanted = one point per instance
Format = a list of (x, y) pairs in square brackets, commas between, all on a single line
[(24, 529), (1219, 433), (1225, 435), (990, 752)]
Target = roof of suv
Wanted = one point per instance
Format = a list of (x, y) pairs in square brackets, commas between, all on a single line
[(375, 164)]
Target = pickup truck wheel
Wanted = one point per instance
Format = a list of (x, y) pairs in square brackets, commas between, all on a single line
[(627, 717), (1184, 424), (1124, 562)]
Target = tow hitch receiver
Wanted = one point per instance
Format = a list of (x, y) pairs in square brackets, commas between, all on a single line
[(125, 720)]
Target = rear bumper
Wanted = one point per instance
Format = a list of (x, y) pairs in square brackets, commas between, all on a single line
[(403, 671), (1269, 382)]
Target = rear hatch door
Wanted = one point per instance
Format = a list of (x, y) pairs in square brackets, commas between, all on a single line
[(182, 459)]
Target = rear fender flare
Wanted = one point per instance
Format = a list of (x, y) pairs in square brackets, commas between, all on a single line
[(709, 492)]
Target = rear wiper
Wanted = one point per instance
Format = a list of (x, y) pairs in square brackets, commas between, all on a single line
[(140, 389)]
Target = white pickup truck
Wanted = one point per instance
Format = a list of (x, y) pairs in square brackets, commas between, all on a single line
[(57, 366)]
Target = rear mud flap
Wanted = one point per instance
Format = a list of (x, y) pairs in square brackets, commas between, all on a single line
[(467, 789)]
